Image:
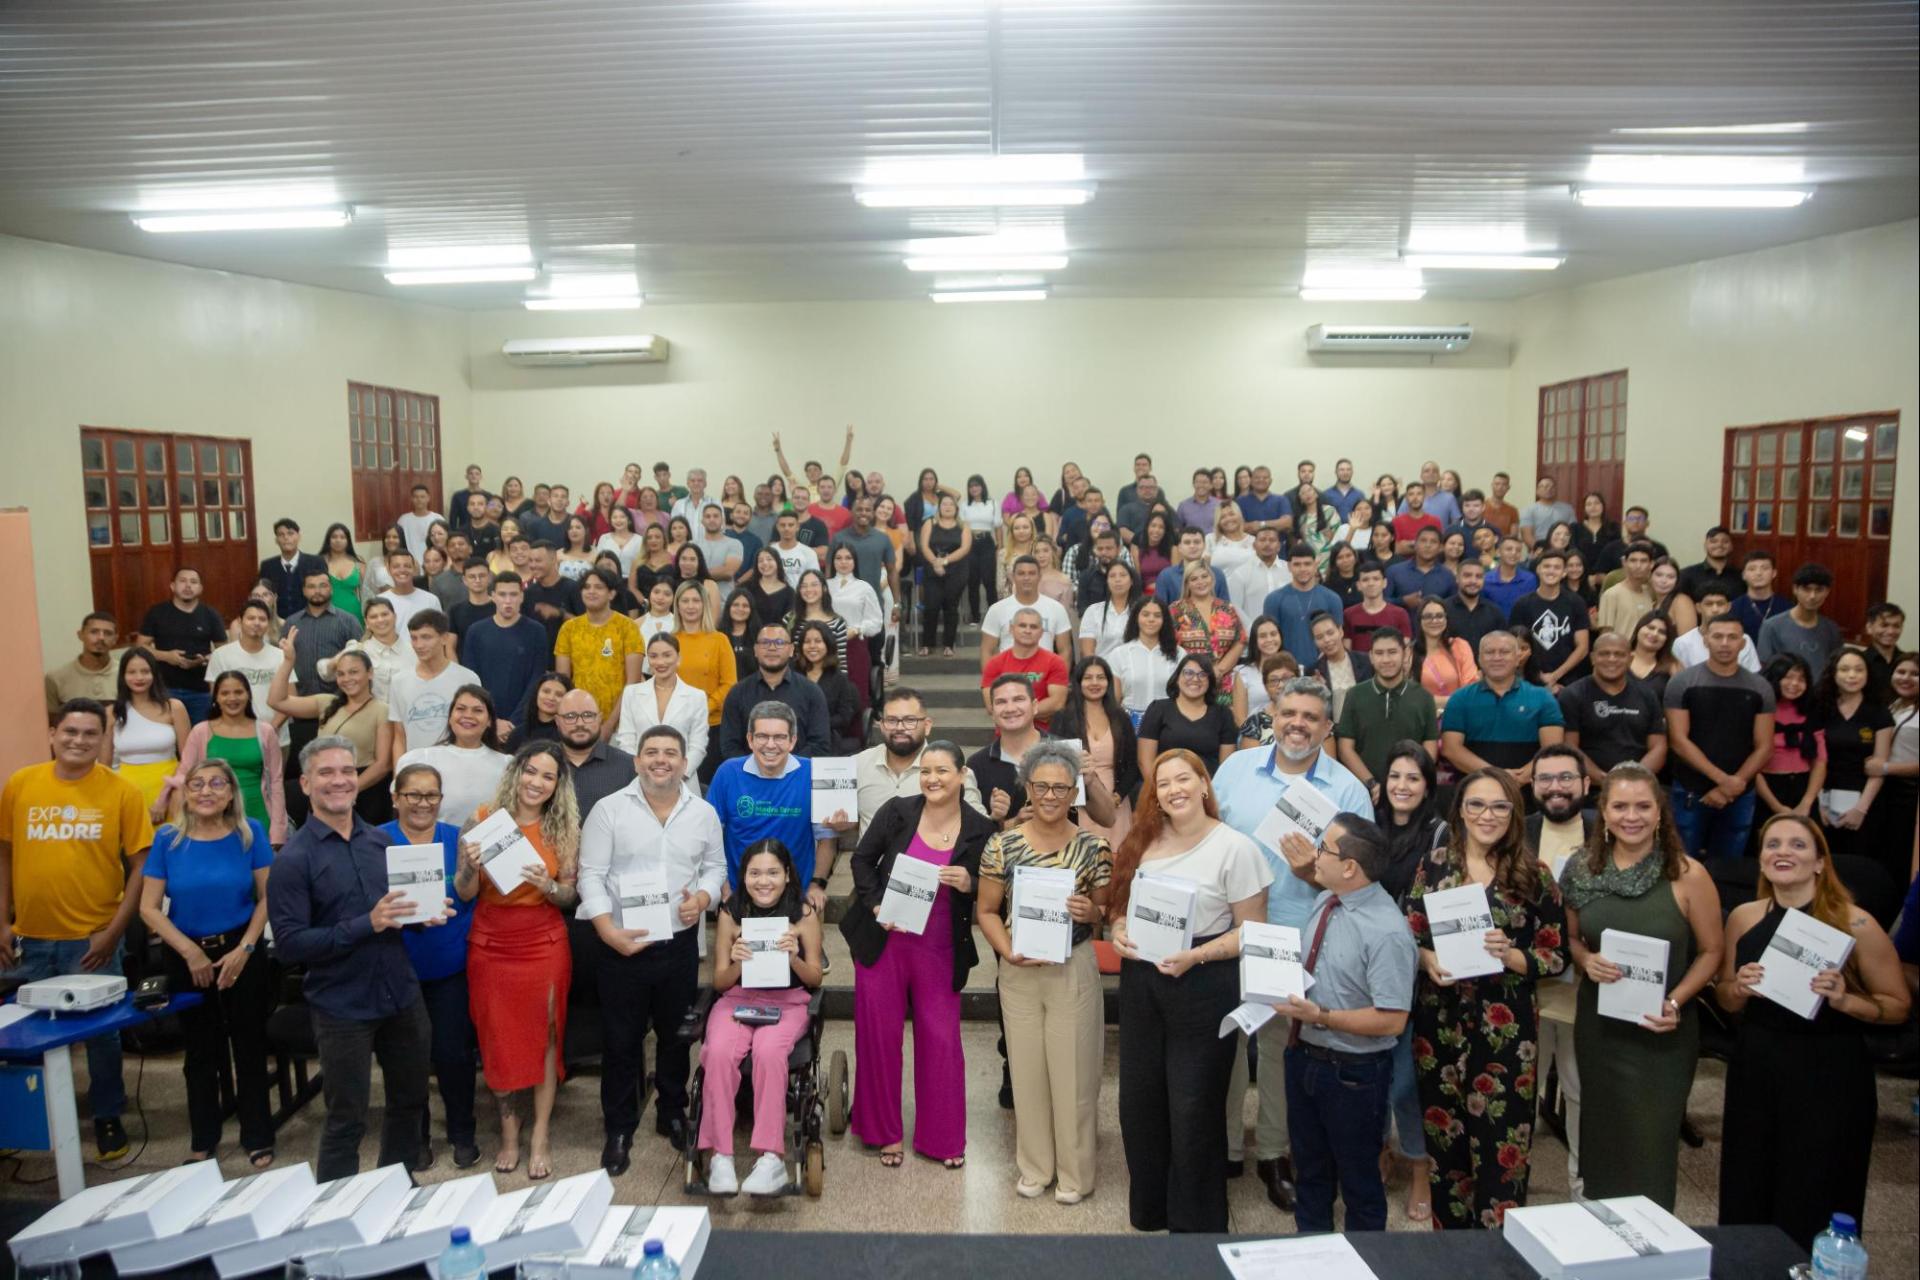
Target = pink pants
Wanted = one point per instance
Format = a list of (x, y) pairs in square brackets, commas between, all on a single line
[(914, 970), (727, 1043)]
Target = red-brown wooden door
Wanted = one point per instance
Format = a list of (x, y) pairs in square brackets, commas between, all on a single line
[(1583, 440)]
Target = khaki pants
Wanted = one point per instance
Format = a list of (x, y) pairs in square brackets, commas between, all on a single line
[(1056, 1051), (1270, 1127)]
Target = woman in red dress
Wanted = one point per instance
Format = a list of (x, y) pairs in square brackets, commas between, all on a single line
[(518, 962)]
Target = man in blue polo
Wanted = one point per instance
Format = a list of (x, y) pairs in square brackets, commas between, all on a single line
[(1412, 582), (1248, 784), (1294, 605), (1500, 720), (768, 794)]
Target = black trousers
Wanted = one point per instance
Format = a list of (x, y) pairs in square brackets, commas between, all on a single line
[(1174, 1069), (980, 573), (235, 1018), (654, 988), (348, 1048), (452, 1049), (940, 606)]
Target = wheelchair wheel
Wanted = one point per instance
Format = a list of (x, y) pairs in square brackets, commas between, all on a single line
[(837, 1093), (814, 1177)]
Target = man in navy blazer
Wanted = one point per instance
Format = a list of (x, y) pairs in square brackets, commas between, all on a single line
[(287, 570)]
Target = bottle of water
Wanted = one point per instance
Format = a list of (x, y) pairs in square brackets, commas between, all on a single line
[(1838, 1253), (655, 1264), (462, 1259)]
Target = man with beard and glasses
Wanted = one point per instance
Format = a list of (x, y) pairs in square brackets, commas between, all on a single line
[(599, 769), (1558, 832), (1248, 784), (892, 769), (1612, 717), (775, 681)]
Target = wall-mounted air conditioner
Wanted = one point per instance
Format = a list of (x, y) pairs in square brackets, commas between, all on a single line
[(641, 348), (1376, 338)]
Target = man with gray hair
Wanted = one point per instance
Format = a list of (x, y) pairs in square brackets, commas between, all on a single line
[(1248, 785), (328, 902), (768, 795)]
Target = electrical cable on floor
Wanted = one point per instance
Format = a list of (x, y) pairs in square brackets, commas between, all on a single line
[(18, 1158)]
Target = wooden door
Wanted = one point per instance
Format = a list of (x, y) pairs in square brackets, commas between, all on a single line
[(1583, 440)]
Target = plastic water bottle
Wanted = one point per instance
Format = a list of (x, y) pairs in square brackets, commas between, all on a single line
[(462, 1259), (1838, 1253), (656, 1264)]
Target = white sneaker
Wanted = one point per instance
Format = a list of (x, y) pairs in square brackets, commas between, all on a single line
[(769, 1176), (721, 1179), (1029, 1190), (1062, 1196)]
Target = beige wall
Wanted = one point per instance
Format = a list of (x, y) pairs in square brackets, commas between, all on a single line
[(1824, 327), (104, 340)]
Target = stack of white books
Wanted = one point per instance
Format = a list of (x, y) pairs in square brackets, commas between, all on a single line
[(1270, 967), (118, 1214), (1630, 1238), (1641, 991), (911, 889), (423, 1227), (256, 1207), (622, 1236), (836, 788), (343, 1213), (1042, 926), (554, 1217), (1160, 915), (1801, 949), (1459, 920), (769, 967), (644, 902)]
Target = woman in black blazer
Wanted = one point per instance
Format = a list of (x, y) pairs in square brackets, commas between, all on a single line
[(894, 968)]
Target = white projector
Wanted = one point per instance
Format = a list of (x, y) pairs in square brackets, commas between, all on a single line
[(74, 993)]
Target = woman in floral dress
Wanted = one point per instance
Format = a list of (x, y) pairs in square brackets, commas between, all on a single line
[(1474, 1039)]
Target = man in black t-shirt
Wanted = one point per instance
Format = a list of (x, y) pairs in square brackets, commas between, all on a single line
[(182, 631), (476, 601), (549, 598), (1611, 716), (812, 531), (1472, 615), (1557, 620), (1720, 729)]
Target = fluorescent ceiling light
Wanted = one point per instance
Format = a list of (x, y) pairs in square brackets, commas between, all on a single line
[(966, 171), (464, 275), (257, 220), (1695, 171), (1690, 197), (243, 197), (583, 284), (988, 295), (459, 255), (1482, 238), (1480, 262), (1052, 239), (621, 302), (1362, 295), (1334, 275), (982, 262), (1779, 126), (970, 197)]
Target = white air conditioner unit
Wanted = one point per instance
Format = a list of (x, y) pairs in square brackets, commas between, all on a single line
[(633, 348), (1375, 338)]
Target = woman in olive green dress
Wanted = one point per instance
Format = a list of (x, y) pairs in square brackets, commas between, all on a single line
[(1635, 877)]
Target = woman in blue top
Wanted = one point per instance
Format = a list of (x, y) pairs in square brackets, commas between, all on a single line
[(440, 962), (209, 866)]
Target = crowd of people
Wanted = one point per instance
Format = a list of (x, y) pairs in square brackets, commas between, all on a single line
[(1535, 701)]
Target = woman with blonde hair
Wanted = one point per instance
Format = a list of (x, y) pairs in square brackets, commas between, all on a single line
[(500, 559), (706, 657), (518, 962), (1022, 534)]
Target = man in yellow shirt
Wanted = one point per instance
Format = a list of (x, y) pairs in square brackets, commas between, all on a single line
[(73, 839), (600, 650)]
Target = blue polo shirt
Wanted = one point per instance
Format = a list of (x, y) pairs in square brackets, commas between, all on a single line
[(1505, 594), (754, 807), (1404, 579), (1342, 501), (1247, 786), (1271, 507), (439, 951), (1293, 610), (1501, 728)]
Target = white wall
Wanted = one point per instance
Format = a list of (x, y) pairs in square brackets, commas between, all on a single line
[(102, 340), (1815, 329)]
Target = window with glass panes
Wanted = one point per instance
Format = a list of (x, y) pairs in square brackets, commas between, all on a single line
[(1819, 490), (1583, 440), (393, 443)]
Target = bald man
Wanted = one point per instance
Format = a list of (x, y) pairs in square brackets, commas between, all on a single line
[(599, 769)]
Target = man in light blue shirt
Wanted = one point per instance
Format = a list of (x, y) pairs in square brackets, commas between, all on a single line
[(1294, 605), (1247, 785)]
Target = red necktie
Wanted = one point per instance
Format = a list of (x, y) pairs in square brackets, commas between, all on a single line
[(1313, 956)]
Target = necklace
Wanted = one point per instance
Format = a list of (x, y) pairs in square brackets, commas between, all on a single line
[(942, 839)]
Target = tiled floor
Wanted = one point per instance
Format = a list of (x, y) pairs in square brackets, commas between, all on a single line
[(923, 1196)]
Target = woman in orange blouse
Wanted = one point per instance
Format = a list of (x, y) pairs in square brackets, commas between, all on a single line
[(518, 962), (1444, 660)]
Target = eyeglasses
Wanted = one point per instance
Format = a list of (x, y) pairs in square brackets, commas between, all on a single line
[(901, 722), (577, 717), (769, 739), (419, 797), (1051, 788), (773, 644), (1556, 779), (1498, 808), (1193, 673), (208, 784)]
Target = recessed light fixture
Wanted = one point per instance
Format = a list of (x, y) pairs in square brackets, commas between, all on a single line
[(1695, 171), (1480, 261), (1382, 294), (245, 220), (1778, 126), (970, 197), (1691, 197), (988, 295), (464, 275), (1360, 275), (984, 262), (975, 182), (427, 257), (611, 302)]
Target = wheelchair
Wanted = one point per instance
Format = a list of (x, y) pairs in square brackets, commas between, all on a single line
[(816, 1103)]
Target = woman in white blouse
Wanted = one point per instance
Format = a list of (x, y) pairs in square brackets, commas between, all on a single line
[(1103, 628), (388, 650), (621, 539), (1229, 545), (981, 514), (1144, 661), (853, 599), (664, 699)]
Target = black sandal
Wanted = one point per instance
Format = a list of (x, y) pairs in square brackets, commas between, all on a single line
[(892, 1159), (957, 1162), (261, 1159)]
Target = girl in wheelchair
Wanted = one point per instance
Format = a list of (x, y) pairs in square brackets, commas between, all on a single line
[(769, 888)]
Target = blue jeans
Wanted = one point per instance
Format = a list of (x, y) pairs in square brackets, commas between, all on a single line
[(54, 958), (1403, 1099), (1335, 1112), (1709, 832)]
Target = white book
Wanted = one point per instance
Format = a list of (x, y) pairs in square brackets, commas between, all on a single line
[(504, 850), (911, 889), (554, 1217), (420, 872), (424, 1226), (621, 1240), (1641, 991), (1300, 810), (1801, 949), (1042, 927), (1630, 1238), (642, 900), (131, 1211), (836, 788), (769, 966), (252, 1208), (1160, 915), (1080, 784), (343, 1213), (1270, 963), (1459, 920)]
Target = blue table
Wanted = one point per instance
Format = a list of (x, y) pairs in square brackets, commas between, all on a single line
[(48, 1040)]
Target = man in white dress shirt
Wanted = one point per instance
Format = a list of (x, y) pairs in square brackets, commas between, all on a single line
[(1249, 585)]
